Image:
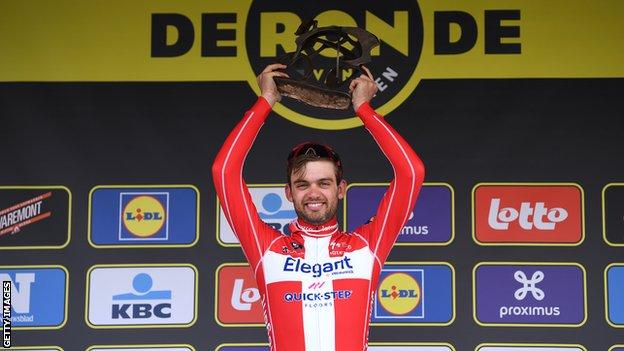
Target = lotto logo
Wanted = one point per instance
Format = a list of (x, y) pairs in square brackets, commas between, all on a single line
[(528, 214), (238, 297)]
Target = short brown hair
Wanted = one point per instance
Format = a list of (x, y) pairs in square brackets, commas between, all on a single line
[(308, 152)]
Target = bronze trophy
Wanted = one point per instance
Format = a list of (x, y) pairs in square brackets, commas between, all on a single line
[(348, 47)]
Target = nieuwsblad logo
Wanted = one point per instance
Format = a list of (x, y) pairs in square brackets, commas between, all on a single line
[(35, 216), (408, 294), (38, 296), (614, 293), (238, 297), (143, 216), (524, 214), (548, 295), (149, 296), (430, 223), (272, 206)]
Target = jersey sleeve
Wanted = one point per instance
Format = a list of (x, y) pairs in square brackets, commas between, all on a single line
[(234, 197), (400, 197)]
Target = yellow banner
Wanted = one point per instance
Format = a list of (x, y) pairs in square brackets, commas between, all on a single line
[(97, 40)]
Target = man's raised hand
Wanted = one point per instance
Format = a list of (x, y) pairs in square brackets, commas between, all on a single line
[(362, 89), (268, 89)]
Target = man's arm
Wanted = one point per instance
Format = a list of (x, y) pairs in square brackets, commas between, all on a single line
[(227, 173), (409, 172)]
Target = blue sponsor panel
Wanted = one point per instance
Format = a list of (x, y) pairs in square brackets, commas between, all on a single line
[(38, 296), (529, 294), (273, 208), (150, 216), (420, 294), (430, 222), (615, 294)]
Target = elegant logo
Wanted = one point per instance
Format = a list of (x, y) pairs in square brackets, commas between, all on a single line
[(147, 296), (35, 216), (528, 214), (529, 294), (272, 206), (38, 296), (238, 297), (431, 221), (614, 282), (142, 215), (342, 266), (422, 294)]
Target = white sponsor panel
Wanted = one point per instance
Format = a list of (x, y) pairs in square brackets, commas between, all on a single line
[(145, 349), (272, 206), (141, 296)]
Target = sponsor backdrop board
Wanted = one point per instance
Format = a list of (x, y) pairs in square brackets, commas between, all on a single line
[(514, 107)]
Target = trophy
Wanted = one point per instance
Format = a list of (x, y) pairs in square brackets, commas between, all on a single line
[(344, 50)]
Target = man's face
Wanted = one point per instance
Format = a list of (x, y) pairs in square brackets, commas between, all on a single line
[(315, 192)]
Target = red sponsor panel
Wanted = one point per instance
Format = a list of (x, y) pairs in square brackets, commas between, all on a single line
[(238, 298), (528, 214)]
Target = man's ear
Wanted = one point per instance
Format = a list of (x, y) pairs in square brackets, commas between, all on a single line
[(342, 189), (288, 192)]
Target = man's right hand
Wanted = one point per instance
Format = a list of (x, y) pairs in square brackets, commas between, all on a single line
[(268, 89)]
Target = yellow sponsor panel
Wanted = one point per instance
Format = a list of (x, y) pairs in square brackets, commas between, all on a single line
[(70, 40)]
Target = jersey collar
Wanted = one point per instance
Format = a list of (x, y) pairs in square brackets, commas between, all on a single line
[(326, 229)]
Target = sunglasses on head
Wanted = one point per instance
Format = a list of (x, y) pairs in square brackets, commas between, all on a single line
[(314, 150)]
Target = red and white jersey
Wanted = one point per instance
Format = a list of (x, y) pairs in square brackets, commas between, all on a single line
[(317, 284)]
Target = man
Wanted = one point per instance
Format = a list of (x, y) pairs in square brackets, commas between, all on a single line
[(317, 284)]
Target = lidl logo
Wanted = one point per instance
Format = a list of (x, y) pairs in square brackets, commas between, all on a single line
[(400, 293), (141, 295), (415, 294), (143, 216), (272, 206), (524, 214), (38, 296), (430, 223)]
